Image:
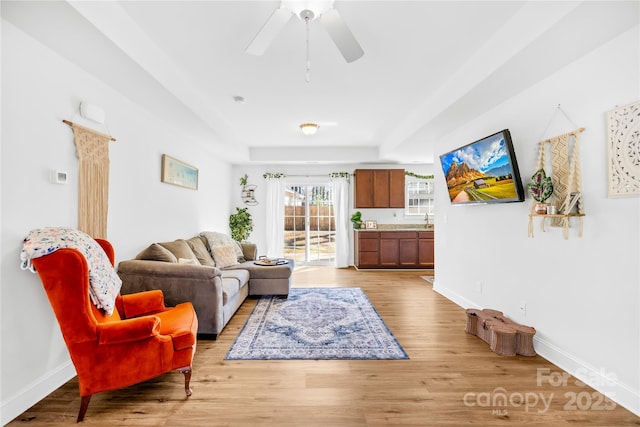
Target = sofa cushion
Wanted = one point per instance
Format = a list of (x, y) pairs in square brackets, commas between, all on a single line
[(218, 239), (155, 252), (224, 256), (232, 282), (200, 250), (180, 249)]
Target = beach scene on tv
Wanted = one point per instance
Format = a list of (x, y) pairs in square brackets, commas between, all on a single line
[(480, 172)]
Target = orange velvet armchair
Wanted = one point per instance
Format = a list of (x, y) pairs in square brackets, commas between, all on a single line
[(141, 340)]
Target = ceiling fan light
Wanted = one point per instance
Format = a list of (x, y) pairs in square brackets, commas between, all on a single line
[(309, 128)]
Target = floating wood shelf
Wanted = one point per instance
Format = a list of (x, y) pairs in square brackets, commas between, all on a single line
[(557, 215), (565, 219)]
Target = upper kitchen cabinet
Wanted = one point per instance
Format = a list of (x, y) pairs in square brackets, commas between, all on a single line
[(379, 188), (396, 188), (363, 188)]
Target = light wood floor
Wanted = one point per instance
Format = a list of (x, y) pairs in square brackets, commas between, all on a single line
[(452, 378)]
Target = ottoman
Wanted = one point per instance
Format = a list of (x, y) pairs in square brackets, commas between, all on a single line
[(269, 279)]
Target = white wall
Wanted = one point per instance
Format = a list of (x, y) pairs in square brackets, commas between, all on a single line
[(582, 294), (39, 90)]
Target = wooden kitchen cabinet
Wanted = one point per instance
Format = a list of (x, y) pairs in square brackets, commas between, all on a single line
[(394, 249), (396, 188), (426, 258), (367, 249), (389, 252), (379, 188), (363, 188), (398, 249), (408, 252)]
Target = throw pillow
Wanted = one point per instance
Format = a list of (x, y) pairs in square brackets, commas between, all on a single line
[(188, 261), (217, 239), (179, 249), (224, 255), (200, 251), (155, 252)]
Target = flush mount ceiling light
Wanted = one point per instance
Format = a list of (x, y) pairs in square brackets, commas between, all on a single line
[(309, 128)]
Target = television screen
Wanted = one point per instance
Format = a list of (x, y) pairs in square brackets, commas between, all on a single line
[(485, 171)]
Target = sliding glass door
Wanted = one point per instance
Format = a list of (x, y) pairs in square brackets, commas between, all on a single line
[(309, 225)]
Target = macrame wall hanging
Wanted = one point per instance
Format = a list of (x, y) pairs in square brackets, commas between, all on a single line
[(93, 179), (561, 154)]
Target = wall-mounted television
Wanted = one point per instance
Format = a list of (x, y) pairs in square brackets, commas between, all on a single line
[(484, 171)]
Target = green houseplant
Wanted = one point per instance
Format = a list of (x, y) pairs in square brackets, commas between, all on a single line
[(241, 224), (356, 219), (540, 188)]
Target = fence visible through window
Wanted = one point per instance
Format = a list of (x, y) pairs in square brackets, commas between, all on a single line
[(419, 199), (309, 224)]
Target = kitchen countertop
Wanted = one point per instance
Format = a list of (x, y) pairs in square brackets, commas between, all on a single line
[(399, 227)]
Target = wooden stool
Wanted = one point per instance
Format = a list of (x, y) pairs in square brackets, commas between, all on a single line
[(477, 322), (504, 336), (473, 321), (524, 340), (503, 339)]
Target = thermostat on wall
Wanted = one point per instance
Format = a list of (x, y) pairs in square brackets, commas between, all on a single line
[(59, 177)]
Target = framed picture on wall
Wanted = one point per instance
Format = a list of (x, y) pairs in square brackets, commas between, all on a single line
[(178, 173)]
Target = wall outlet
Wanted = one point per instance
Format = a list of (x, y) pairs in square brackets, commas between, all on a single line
[(523, 308), (479, 286)]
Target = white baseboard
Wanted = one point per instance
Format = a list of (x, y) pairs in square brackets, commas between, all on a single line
[(614, 389), (454, 297), (598, 379), (35, 392)]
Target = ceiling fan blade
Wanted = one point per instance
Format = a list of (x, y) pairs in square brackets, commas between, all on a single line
[(341, 35), (269, 31)]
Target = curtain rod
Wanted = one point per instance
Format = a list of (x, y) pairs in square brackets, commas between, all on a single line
[(89, 129), (310, 176)]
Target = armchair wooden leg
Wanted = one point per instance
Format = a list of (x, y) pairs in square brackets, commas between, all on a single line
[(84, 404), (187, 379)]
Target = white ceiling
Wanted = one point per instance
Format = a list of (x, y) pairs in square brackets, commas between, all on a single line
[(428, 67)]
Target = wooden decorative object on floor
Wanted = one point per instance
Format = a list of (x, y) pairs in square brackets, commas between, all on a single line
[(504, 336)]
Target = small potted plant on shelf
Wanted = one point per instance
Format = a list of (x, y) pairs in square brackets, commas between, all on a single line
[(540, 188), (356, 219)]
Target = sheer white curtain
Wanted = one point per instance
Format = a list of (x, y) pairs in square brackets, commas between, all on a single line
[(340, 190), (275, 215)]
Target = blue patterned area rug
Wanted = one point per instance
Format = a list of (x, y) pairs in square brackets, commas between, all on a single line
[(316, 323)]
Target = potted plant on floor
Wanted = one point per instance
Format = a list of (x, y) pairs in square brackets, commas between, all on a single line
[(540, 188), (241, 224)]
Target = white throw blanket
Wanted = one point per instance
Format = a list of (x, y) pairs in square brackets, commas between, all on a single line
[(104, 281)]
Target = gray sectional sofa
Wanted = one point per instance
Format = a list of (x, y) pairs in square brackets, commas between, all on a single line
[(213, 272)]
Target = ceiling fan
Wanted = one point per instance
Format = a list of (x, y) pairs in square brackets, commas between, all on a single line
[(308, 11)]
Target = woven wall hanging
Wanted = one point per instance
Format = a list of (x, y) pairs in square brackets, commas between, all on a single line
[(92, 148), (564, 157)]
